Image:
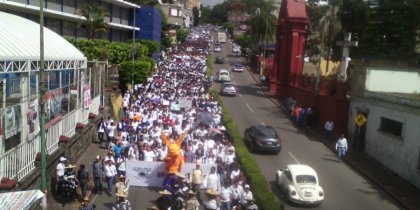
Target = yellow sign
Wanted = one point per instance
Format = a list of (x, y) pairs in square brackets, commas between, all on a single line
[(360, 119)]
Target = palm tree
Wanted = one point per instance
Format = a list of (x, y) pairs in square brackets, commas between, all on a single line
[(94, 20), (330, 26), (263, 27)]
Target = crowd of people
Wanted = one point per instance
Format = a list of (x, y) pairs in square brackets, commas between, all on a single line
[(174, 101)]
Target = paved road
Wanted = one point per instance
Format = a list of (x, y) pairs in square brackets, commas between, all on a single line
[(344, 188)]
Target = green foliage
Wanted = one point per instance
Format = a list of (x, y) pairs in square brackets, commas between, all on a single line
[(94, 20), (136, 71), (263, 27), (243, 40), (115, 52), (209, 63), (181, 35), (229, 27), (166, 42), (266, 200), (152, 46)]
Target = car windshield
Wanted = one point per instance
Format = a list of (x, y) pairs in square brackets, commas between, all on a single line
[(229, 86), (238, 65), (305, 179), (268, 133), (224, 73)]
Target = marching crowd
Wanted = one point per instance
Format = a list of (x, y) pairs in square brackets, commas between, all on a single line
[(174, 101)]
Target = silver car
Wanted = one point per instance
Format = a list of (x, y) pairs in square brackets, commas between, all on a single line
[(228, 88)]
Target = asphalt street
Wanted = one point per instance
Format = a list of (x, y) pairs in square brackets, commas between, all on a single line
[(344, 188)]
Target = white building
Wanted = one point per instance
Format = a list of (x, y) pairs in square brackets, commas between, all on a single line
[(73, 91), (61, 16), (390, 100)]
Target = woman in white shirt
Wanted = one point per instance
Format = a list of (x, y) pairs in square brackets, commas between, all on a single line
[(133, 152), (148, 154)]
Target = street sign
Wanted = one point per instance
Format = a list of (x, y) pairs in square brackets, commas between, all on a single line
[(360, 119)]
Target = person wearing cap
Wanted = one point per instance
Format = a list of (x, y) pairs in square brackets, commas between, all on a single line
[(97, 173), (192, 202), (122, 203), (60, 169), (212, 202), (86, 205), (246, 195), (164, 201)]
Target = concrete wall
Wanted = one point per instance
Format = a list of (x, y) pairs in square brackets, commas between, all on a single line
[(400, 154)]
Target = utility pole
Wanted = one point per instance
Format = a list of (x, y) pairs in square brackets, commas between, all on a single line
[(42, 99), (345, 44)]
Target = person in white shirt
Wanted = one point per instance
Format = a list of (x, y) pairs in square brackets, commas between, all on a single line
[(212, 180), (110, 172), (148, 154), (234, 174), (60, 169), (328, 128), (341, 147), (246, 195), (225, 196), (133, 152), (230, 157), (236, 191), (111, 133)]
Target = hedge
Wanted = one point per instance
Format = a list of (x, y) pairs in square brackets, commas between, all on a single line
[(266, 199)]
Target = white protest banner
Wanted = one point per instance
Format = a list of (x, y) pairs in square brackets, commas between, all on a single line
[(185, 102), (151, 174)]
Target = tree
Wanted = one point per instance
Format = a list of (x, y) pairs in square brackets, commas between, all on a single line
[(94, 20), (152, 46), (136, 71), (330, 27), (263, 27), (181, 35)]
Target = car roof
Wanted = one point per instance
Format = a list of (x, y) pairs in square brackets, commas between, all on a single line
[(298, 169)]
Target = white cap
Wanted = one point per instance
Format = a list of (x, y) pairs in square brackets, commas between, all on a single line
[(97, 157), (246, 186), (63, 159)]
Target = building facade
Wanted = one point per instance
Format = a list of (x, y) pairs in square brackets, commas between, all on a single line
[(149, 19), (73, 91), (390, 129), (61, 16)]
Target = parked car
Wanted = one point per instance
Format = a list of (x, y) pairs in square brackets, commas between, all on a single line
[(217, 49), (262, 138), (228, 88), (238, 67), (219, 59), (223, 76), (300, 184)]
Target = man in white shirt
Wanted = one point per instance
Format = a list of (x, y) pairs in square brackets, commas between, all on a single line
[(341, 147), (60, 169), (110, 172), (225, 196), (213, 180), (236, 191), (148, 154), (246, 195)]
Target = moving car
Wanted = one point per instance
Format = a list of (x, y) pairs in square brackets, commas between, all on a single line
[(238, 67), (262, 137), (223, 76), (300, 184), (217, 49), (219, 59), (228, 88)]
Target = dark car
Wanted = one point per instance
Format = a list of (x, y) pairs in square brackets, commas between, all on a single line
[(262, 138), (219, 59)]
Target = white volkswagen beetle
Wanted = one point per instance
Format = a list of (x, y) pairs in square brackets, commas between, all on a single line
[(300, 184)]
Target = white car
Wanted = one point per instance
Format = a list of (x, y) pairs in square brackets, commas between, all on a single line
[(300, 184), (217, 49), (223, 75)]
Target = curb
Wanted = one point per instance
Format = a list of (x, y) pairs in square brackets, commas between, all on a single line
[(347, 160)]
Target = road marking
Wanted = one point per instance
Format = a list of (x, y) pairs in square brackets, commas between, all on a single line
[(262, 123), (294, 158), (250, 109)]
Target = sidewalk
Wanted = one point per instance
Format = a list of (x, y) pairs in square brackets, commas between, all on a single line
[(404, 193), (87, 158)]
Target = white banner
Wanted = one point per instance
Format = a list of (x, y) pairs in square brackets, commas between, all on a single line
[(185, 102), (151, 174)]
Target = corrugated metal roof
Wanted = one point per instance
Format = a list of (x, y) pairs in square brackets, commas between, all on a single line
[(19, 41)]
